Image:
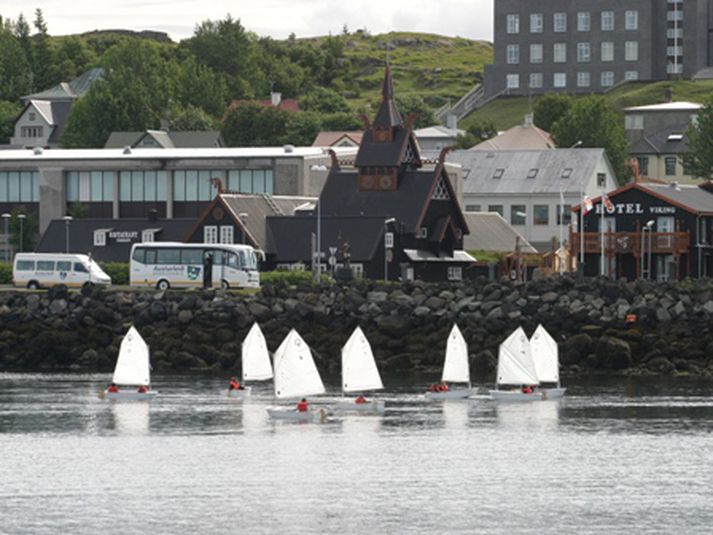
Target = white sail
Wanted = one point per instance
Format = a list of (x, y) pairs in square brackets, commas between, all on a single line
[(296, 374), (359, 371), (255, 357), (132, 366), (545, 354), (515, 365), (455, 367)]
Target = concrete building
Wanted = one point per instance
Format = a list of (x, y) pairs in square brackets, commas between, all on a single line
[(526, 187), (130, 183), (592, 45), (658, 138), (433, 139)]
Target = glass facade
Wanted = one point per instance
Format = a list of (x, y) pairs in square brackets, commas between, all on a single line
[(142, 186), (89, 186), (19, 186)]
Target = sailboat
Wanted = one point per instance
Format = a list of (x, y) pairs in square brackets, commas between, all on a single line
[(359, 374), (296, 376), (132, 368), (545, 354), (455, 367), (516, 369), (255, 361)]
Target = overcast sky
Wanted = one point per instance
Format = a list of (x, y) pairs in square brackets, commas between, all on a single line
[(277, 18)]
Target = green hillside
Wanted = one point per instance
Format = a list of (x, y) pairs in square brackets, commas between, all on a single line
[(506, 112)]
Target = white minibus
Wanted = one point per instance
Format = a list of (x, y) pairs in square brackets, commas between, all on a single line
[(171, 264), (37, 270)]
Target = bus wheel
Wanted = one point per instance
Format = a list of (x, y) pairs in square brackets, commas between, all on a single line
[(163, 285), (33, 285), (224, 285), (87, 284)]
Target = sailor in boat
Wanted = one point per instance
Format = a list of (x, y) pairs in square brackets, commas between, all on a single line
[(438, 387), (361, 400), (303, 406), (527, 389), (143, 389), (235, 385), (113, 389)]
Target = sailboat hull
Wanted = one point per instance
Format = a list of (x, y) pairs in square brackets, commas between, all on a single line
[(455, 393), (240, 393), (515, 396), (131, 396), (552, 393), (293, 415), (371, 407)]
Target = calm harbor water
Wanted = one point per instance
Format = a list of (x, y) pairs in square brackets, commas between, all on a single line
[(620, 456)]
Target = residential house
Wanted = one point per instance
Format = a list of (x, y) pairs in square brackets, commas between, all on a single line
[(165, 139), (338, 139), (276, 100), (526, 136)]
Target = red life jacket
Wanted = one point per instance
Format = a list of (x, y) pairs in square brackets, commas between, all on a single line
[(234, 385), (360, 400), (142, 389), (113, 389), (302, 406)]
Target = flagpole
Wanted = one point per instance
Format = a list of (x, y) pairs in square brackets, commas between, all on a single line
[(601, 223), (581, 233), (559, 253)]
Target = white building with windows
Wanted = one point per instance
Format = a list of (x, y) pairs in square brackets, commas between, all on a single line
[(527, 187)]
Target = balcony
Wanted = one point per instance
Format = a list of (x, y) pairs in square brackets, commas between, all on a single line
[(615, 243)]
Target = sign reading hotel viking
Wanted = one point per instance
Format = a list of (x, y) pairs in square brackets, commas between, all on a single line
[(635, 208)]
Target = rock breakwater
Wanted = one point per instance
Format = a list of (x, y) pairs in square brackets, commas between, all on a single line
[(407, 324)]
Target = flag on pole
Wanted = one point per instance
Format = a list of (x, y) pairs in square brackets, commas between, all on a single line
[(587, 205), (608, 205)]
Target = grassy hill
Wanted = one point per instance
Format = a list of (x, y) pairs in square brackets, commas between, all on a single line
[(434, 67), (506, 112)]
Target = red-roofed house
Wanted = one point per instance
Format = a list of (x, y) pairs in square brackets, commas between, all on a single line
[(288, 104)]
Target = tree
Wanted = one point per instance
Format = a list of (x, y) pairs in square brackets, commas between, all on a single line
[(42, 54), (341, 121), (323, 100), (414, 104), (252, 125), (550, 108), (303, 128), (8, 113), (22, 233), (594, 122), (14, 69), (192, 118), (698, 161), (476, 133), (22, 32)]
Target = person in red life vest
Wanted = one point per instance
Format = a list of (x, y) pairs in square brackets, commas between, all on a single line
[(143, 389), (432, 388), (527, 389), (360, 400), (302, 406), (113, 388), (234, 384)]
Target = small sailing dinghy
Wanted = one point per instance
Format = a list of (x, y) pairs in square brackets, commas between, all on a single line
[(516, 370), (359, 374), (545, 354), (456, 368), (296, 376), (255, 360), (132, 369)]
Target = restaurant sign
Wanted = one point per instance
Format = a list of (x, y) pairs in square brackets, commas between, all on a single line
[(124, 236)]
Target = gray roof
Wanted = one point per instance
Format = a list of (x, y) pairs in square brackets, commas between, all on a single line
[(693, 196), (514, 167), (168, 140), (258, 208), (662, 143), (489, 231), (70, 90)]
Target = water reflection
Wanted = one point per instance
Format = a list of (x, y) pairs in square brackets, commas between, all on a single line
[(540, 415), (130, 418)]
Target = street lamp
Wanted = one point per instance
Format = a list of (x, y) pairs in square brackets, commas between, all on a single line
[(649, 225), (322, 169), (67, 219), (21, 217), (243, 219), (524, 216), (386, 258), (7, 217), (577, 144)]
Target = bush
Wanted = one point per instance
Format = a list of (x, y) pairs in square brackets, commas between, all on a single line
[(5, 273), (118, 271), (289, 277)]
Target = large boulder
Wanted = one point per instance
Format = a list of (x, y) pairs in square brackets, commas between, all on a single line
[(575, 349), (614, 353)]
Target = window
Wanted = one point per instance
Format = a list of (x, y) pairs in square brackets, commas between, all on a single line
[(64, 266), (583, 21), (536, 23), (512, 54), (541, 214), (99, 238), (192, 256), (670, 162), (559, 79), (79, 268), (601, 180), (607, 79), (634, 122), (168, 256), (513, 23), (584, 52), (498, 173), (210, 234), (141, 186), (455, 273), (567, 172), (536, 80), (643, 165), (532, 173), (25, 265), (517, 214), (631, 51), (607, 21), (498, 208), (583, 79), (422, 233), (560, 22), (607, 51), (147, 236), (536, 53), (139, 255), (32, 116), (472, 208), (564, 214), (631, 20), (631, 75), (45, 265), (19, 186), (251, 181), (226, 234), (440, 192), (513, 81), (559, 52), (196, 185)]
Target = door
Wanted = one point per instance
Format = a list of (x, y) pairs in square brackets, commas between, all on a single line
[(609, 224), (665, 267), (664, 224)]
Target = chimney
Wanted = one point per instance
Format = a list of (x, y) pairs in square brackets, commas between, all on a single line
[(668, 94), (276, 98), (164, 125), (452, 121), (153, 215), (529, 120)]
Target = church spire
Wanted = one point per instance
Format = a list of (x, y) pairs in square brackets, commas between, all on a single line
[(388, 115)]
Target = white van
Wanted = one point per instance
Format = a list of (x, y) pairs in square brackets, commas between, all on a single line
[(37, 270)]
